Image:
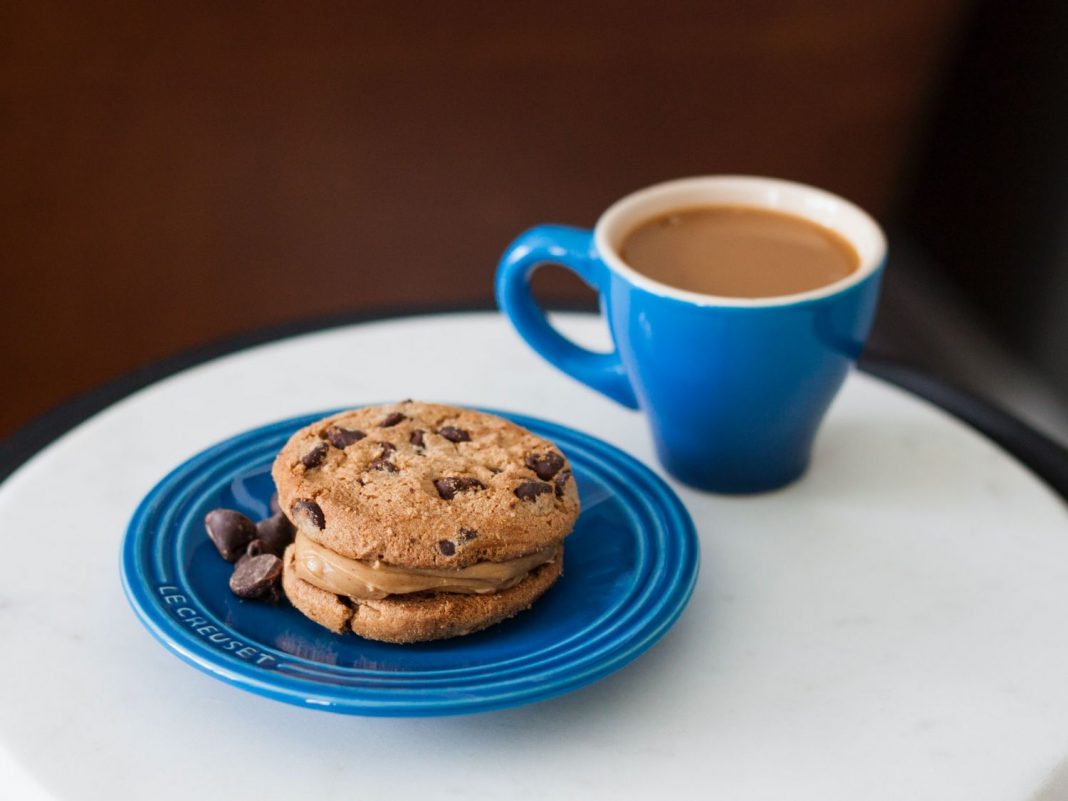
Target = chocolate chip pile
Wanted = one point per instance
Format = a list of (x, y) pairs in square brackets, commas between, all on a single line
[(255, 549)]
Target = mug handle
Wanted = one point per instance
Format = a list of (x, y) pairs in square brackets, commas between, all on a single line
[(572, 248)]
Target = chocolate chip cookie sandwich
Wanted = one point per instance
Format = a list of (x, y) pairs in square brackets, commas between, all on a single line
[(416, 521)]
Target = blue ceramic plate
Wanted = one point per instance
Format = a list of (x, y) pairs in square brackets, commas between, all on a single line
[(630, 567)]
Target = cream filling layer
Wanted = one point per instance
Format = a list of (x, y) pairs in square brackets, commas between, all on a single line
[(372, 580)]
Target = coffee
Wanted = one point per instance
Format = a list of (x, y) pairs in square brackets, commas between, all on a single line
[(738, 252)]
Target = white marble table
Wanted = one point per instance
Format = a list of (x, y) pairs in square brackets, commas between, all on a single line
[(894, 626)]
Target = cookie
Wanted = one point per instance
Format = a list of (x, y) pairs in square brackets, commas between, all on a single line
[(425, 486), (420, 617), (417, 521)]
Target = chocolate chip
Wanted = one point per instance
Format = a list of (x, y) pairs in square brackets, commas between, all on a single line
[(231, 532), (447, 547), (315, 456), (273, 504), (545, 466), (255, 548), (311, 511), (417, 438), (382, 462), (392, 420), (341, 438), (467, 534), (454, 434), (256, 576), (275, 595), (450, 485), (529, 490), (560, 482), (275, 533)]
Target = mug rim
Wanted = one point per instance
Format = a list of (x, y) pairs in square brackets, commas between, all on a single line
[(797, 199)]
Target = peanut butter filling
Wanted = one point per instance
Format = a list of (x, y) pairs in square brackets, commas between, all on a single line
[(372, 580)]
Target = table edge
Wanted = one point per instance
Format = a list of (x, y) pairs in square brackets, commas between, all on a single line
[(1047, 459)]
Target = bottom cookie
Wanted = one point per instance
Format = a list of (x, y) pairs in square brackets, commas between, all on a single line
[(419, 617)]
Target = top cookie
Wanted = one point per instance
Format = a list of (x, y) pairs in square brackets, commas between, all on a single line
[(425, 485)]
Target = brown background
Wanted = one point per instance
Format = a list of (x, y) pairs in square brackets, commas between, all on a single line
[(174, 173)]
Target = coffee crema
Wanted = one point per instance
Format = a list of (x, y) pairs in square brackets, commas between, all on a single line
[(738, 252)]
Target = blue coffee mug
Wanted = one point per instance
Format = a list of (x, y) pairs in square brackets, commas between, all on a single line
[(734, 388)]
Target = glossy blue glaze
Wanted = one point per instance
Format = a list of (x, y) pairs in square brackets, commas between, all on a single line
[(734, 393), (629, 570)]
